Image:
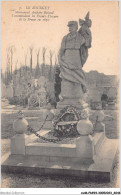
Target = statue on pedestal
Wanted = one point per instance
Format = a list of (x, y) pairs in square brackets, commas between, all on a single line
[(72, 56)]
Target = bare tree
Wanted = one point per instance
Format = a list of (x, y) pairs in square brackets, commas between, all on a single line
[(56, 60), (14, 78), (43, 54), (11, 50), (8, 62), (51, 56), (8, 74), (31, 52), (51, 53), (37, 69), (43, 59), (38, 53)]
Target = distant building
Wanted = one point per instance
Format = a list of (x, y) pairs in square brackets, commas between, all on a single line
[(97, 83)]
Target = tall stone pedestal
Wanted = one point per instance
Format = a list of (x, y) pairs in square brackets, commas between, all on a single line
[(71, 94)]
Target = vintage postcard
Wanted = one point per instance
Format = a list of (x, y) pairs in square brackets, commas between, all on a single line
[(60, 94)]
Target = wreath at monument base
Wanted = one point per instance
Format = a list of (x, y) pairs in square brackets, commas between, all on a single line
[(65, 123)]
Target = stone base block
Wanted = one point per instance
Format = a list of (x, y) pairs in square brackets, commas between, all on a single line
[(83, 147), (51, 149), (35, 148), (99, 170)]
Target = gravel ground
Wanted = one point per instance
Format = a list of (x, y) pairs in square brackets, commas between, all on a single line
[(32, 181)]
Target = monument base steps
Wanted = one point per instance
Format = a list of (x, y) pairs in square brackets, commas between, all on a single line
[(61, 159)]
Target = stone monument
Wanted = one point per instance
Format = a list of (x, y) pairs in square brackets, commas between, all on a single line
[(90, 155), (73, 116)]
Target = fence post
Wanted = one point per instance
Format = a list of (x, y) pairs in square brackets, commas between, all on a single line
[(18, 141), (84, 143)]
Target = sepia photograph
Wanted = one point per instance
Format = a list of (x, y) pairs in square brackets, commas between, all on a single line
[(60, 76)]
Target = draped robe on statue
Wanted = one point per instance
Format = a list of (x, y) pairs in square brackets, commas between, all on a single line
[(70, 59)]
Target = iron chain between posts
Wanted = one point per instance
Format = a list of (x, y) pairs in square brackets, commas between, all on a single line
[(30, 129)]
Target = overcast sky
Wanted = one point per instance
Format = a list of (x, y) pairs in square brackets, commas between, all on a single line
[(104, 54)]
